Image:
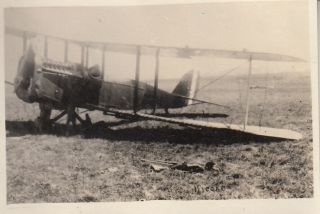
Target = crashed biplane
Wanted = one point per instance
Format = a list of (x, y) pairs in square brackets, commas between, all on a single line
[(66, 86)]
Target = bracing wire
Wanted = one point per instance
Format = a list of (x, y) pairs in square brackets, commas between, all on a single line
[(220, 77), (228, 71)]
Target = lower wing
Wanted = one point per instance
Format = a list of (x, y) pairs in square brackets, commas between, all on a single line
[(254, 130)]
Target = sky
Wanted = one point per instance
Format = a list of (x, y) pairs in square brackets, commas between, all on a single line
[(276, 27)]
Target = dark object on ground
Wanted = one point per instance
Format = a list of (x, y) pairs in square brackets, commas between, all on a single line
[(189, 167), (159, 165), (209, 165)]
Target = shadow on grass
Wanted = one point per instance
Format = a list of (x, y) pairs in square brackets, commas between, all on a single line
[(193, 115), (165, 134)]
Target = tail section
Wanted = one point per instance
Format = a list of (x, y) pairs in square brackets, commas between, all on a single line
[(186, 88)]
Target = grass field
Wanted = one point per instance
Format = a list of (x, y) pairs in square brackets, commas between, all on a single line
[(106, 165)]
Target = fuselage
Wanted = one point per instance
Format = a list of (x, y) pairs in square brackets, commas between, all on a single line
[(85, 90), (64, 84)]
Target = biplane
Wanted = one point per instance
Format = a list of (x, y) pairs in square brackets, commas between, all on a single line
[(65, 85)]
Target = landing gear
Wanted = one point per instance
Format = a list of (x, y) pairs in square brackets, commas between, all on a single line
[(166, 110), (44, 123), (72, 117)]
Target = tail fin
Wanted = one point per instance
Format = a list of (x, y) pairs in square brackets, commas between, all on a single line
[(187, 87)]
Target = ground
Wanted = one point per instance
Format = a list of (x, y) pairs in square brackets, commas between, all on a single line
[(106, 165)]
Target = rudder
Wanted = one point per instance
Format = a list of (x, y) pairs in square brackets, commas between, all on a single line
[(186, 88)]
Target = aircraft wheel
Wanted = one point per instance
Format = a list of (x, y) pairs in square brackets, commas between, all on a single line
[(43, 123), (71, 120)]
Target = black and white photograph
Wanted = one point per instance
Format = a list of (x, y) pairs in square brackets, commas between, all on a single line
[(176, 102)]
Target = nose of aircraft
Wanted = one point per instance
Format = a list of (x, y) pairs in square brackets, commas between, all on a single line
[(24, 74)]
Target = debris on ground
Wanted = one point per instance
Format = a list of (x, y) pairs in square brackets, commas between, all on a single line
[(160, 165), (189, 167), (113, 169), (209, 165), (158, 168)]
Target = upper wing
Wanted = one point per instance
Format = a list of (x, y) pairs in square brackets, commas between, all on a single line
[(166, 51)]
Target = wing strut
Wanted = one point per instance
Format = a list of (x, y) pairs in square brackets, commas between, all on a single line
[(87, 56), (103, 61), (82, 55), (264, 99), (137, 79), (156, 78), (24, 41), (248, 93), (66, 48), (46, 47)]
